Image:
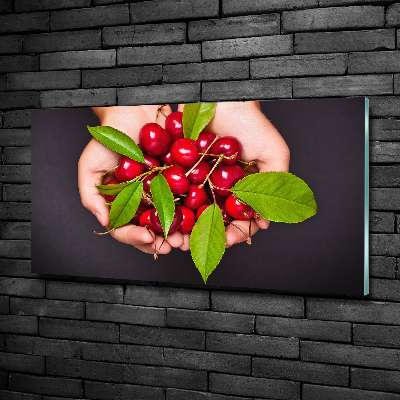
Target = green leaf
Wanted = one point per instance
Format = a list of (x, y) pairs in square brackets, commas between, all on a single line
[(196, 117), (163, 200), (277, 196), (112, 189), (117, 141), (125, 205), (208, 240)]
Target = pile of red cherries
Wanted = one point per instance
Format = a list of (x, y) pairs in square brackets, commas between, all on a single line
[(199, 173)]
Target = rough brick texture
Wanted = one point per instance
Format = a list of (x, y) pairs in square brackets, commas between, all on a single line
[(73, 338)]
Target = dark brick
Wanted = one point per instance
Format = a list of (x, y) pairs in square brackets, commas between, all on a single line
[(136, 35), (14, 174), (18, 396), (44, 80), (16, 324), (257, 387), (167, 297), (26, 22), (385, 289), (78, 330), (167, 337), (46, 385), (11, 100), (387, 381), (333, 42), (346, 354), (35, 5), (382, 267), (85, 369), (62, 41), (11, 44), (207, 361), (249, 90), (22, 287), (166, 377), (17, 119), (178, 394), (257, 303), (329, 3), (17, 192), (381, 222), (126, 314), (84, 292), (384, 129), (301, 371), (384, 106), (19, 63), (252, 344), (393, 15), (15, 230), (3, 380), (48, 308), (247, 47), (122, 353), (374, 62), (237, 7), (17, 268), (304, 329), (120, 77), (226, 28), (206, 71), (15, 211), (397, 84), (79, 98), (89, 17), (43, 346), (106, 391), (6, 6), (22, 363), (333, 18), (385, 176), (385, 244), (377, 335), (320, 64), (78, 59), (17, 155), (210, 320), (161, 10), (311, 392), (172, 54), (353, 310), (4, 305), (173, 93)]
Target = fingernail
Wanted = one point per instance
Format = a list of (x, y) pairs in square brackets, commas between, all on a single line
[(98, 216)]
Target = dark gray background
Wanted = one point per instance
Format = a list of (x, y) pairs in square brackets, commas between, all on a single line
[(323, 254)]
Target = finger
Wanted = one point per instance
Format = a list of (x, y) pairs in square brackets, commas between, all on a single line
[(262, 223), (180, 107), (186, 242), (235, 235), (175, 239)]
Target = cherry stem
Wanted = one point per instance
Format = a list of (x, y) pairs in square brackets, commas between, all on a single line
[(257, 216), (202, 156), (159, 109), (105, 173), (147, 197), (248, 164), (161, 245), (212, 170), (212, 191), (248, 238), (154, 241), (219, 155)]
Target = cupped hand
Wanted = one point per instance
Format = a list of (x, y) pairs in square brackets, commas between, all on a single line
[(261, 143), (97, 159)]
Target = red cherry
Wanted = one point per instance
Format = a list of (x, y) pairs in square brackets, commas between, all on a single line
[(156, 224), (147, 180), (167, 158), (201, 209), (150, 162), (141, 209), (188, 220), (226, 217), (144, 219), (177, 180), (184, 152), (173, 125), (128, 169), (195, 198), (108, 197), (199, 174), (237, 209), (154, 139), (228, 146), (224, 177), (204, 140), (212, 161)]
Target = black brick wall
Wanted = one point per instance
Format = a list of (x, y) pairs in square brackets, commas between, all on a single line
[(72, 338)]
